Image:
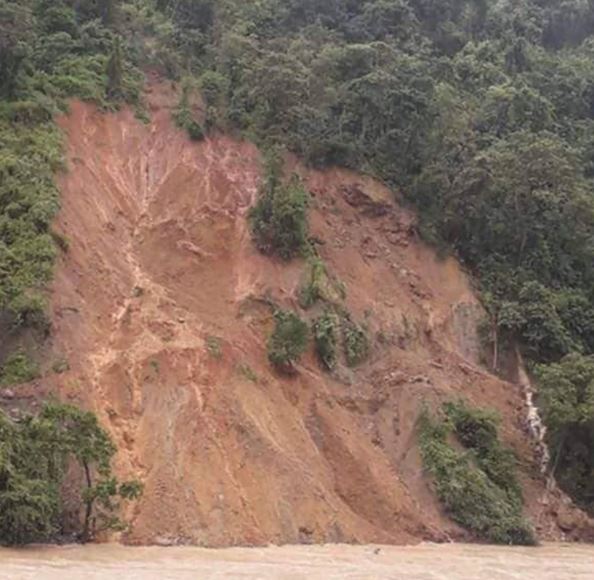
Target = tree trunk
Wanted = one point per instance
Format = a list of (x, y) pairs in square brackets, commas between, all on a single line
[(495, 346), (85, 535)]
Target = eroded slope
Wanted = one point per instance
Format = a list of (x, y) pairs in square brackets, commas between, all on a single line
[(161, 267)]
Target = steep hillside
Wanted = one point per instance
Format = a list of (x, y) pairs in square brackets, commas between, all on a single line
[(161, 308)]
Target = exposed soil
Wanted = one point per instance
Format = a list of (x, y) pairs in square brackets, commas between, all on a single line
[(160, 308)]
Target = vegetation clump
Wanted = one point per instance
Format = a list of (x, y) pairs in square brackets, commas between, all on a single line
[(18, 368), (278, 221), (326, 331), (288, 340), (49, 51), (313, 289), (35, 454), (355, 341), (566, 397), (478, 488), (248, 372), (319, 285), (476, 429)]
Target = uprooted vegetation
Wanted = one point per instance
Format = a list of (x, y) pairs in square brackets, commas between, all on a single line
[(477, 487)]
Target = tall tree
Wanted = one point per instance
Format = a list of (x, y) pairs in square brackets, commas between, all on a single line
[(115, 72), (16, 34)]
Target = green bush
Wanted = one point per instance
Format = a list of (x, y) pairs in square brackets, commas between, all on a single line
[(319, 285), (471, 494), (278, 221), (325, 331), (18, 368), (288, 340), (313, 289), (355, 342), (476, 429)]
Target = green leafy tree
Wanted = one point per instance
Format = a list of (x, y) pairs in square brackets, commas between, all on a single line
[(81, 437), (279, 219), (115, 73), (566, 396), (16, 34), (108, 11), (34, 455)]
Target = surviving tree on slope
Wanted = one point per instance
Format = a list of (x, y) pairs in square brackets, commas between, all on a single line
[(34, 456)]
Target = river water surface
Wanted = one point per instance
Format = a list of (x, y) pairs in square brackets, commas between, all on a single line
[(424, 562)]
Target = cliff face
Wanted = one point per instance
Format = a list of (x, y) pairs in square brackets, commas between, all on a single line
[(158, 308)]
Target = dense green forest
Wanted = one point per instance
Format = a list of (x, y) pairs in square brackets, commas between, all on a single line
[(480, 112)]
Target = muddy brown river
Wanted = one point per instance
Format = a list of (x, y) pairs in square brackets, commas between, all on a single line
[(424, 562)]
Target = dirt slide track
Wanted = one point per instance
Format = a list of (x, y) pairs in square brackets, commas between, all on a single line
[(158, 308)]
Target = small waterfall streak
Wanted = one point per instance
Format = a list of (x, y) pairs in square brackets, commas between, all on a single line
[(534, 421)]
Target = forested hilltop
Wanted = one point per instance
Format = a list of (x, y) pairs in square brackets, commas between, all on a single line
[(480, 112)]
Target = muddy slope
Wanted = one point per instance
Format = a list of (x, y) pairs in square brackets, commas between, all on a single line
[(158, 308)]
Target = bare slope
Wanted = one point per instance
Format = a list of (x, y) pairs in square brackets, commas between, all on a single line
[(161, 270)]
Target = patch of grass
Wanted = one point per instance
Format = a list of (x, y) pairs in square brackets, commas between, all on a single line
[(288, 340), (246, 371), (17, 369), (214, 347), (472, 497)]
